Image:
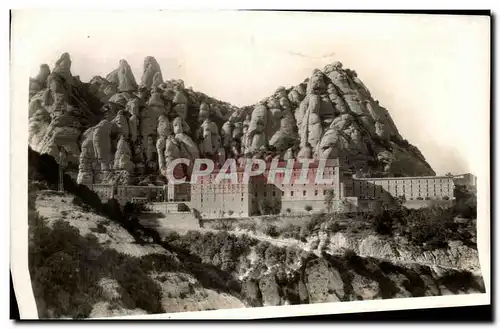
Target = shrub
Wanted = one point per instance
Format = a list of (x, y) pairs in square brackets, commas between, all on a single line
[(382, 224), (313, 225), (465, 204), (446, 197), (260, 248), (356, 226), (274, 255), (99, 229), (272, 231), (223, 224), (291, 231), (267, 207), (333, 227), (350, 255), (288, 210), (308, 208), (251, 227), (432, 227), (66, 268)]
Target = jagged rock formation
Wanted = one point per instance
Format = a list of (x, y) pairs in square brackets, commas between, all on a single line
[(152, 73), (331, 114)]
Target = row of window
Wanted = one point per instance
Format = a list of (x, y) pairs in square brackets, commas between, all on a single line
[(410, 182), (207, 199), (304, 193)]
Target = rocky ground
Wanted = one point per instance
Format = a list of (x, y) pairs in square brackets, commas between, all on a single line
[(180, 291), (211, 269), (363, 241)]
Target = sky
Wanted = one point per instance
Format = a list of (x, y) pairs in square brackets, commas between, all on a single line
[(431, 72)]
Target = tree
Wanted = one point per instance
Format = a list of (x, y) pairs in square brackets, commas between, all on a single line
[(465, 202), (329, 200), (344, 206), (382, 223), (267, 207), (375, 208)]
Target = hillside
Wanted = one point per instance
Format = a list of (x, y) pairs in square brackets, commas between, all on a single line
[(89, 259), (125, 130)]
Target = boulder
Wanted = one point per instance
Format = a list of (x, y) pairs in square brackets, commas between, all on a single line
[(63, 68), (87, 159), (112, 77), (126, 79), (187, 147), (120, 121), (39, 82), (149, 117), (269, 290), (355, 105), (164, 126), (210, 138), (323, 282), (102, 144), (310, 126), (123, 156), (227, 133), (151, 71), (134, 123)]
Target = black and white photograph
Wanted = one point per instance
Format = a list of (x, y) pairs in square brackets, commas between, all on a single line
[(175, 164)]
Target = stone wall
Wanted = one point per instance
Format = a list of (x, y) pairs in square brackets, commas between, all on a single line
[(415, 204)]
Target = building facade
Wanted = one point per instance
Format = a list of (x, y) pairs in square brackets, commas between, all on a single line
[(411, 188), (302, 192), (126, 193), (225, 198), (468, 180), (288, 190)]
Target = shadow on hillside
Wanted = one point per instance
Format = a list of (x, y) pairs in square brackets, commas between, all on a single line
[(45, 168), (383, 272)]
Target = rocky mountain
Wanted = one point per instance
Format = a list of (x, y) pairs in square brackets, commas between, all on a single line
[(115, 129), (89, 259)]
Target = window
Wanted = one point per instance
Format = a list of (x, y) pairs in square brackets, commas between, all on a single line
[(265, 194), (255, 194), (304, 193), (291, 193), (274, 193), (324, 192), (315, 192), (282, 193)]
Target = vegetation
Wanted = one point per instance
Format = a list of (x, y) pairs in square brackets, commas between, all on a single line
[(66, 268), (221, 249), (223, 224), (267, 207), (272, 230), (329, 199), (465, 204)]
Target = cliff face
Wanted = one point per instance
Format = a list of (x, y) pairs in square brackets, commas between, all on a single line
[(270, 275), (60, 108), (113, 128)]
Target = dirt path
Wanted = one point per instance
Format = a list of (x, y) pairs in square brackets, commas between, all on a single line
[(297, 244)]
